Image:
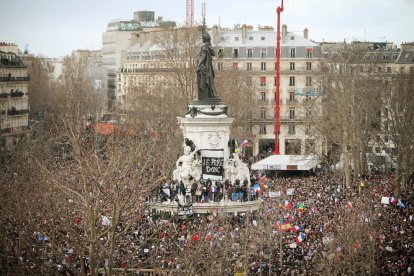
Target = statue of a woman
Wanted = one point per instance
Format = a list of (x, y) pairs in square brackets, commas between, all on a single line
[(205, 72)]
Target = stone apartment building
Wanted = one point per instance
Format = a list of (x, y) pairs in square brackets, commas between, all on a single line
[(117, 39), (14, 104), (253, 52), (383, 61)]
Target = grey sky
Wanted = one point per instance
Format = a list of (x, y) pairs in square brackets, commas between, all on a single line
[(56, 27)]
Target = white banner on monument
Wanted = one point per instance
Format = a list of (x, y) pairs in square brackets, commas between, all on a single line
[(212, 164)]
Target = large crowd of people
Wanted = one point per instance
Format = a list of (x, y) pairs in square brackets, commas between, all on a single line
[(307, 224)]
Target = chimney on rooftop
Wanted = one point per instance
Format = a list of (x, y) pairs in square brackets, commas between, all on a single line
[(284, 33), (244, 33), (306, 33)]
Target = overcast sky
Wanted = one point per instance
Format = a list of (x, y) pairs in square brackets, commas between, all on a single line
[(56, 27)]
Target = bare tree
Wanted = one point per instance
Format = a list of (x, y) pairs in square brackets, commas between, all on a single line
[(350, 98), (398, 116)]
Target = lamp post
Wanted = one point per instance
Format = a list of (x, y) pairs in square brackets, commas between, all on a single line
[(277, 107)]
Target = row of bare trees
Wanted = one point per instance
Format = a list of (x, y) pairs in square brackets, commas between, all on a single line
[(359, 107)]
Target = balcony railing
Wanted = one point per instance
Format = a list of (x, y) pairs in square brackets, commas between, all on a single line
[(15, 130), (5, 79), (14, 112), (138, 70), (17, 94)]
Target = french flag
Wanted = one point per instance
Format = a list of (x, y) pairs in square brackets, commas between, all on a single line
[(300, 238), (256, 188), (296, 228), (244, 143), (393, 199)]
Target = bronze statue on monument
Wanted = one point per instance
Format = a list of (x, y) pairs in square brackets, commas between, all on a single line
[(206, 90)]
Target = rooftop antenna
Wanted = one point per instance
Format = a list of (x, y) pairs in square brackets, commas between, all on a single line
[(189, 9)]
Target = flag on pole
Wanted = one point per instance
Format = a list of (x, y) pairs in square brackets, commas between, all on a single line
[(256, 188), (400, 203), (300, 238), (297, 228), (244, 143), (287, 204), (236, 146), (286, 226)]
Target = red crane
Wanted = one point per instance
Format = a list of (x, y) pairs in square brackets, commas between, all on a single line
[(189, 12), (277, 105)]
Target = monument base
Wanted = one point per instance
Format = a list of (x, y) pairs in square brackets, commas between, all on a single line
[(208, 208)]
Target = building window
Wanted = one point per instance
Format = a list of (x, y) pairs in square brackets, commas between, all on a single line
[(308, 80), (249, 81), (292, 37), (249, 53), (236, 38), (291, 81), (292, 129), (263, 129), (291, 113), (309, 52), (411, 69), (292, 52), (308, 97), (263, 96), (386, 140), (263, 114), (377, 150), (262, 38), (386, 126), (220, 66), (235, 65), (220, 53), (402, 69), (388, 69), (292, 97), (275, 81), (263, 53), (250, 38), (235, 53), (249, 66), (292, 66), (263, 81), (263, 66), (309, 66)]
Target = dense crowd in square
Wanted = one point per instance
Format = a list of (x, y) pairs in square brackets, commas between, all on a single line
[(302, 228)]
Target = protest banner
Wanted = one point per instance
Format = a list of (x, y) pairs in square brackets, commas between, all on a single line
[(212, 162)]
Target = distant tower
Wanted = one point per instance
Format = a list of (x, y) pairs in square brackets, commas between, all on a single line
[(189, 13)]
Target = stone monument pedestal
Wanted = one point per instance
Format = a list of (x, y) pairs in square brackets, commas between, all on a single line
[(208, 127)]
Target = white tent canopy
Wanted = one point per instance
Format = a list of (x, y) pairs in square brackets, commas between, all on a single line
[(287, 163)]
